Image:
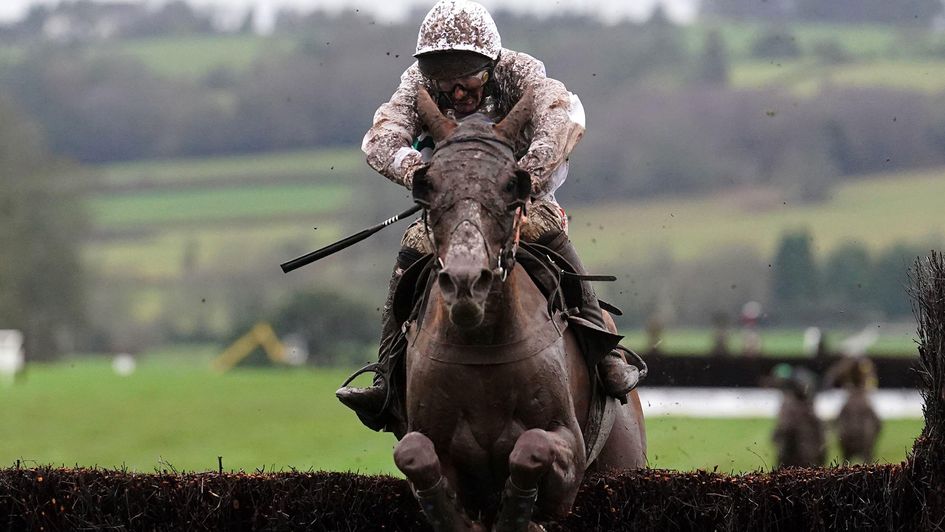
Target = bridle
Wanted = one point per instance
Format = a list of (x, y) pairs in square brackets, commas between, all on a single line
[(505, 258)]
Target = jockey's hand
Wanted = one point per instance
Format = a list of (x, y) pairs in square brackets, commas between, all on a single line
[(412, 162)]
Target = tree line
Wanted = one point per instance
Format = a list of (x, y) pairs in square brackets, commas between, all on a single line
[(900, 12)]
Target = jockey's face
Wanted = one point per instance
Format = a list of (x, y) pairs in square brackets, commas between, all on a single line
[(466, 92)]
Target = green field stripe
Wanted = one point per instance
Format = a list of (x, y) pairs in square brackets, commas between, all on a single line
[(928, 76), (320, 164), (195, 56), (156, 208), (805, 77), (162, 257), (771, 73)]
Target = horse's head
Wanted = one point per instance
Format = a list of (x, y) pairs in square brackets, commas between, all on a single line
[(474, 194)]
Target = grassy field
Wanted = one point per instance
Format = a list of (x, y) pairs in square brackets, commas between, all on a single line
[(163, 255), (322, 164), (151, 208), (807, 77), (195, 56), (875, 212), (174, 413)]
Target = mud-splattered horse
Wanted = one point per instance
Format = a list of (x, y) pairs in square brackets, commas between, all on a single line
[(498, 394)]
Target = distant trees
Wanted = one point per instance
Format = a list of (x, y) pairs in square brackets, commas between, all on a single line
[(795, 276), (86, 20), (41, 224), (775, 44), (847, 275), (848, 283), (713, 66), (750, 9)]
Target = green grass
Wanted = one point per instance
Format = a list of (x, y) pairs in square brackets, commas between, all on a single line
[(805, 77), (195, 56), (875, 212), (11, 55), (769, 73), (174, 412), (164, 255), (928, 76), (739, 445), (320, 164), (208, 205), (185, 416)]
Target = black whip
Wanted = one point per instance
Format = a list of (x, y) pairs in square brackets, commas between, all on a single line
[(342, 244)]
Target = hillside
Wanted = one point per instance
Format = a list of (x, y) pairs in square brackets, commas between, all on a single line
[(206, 200), (168, 230), (875, 211)]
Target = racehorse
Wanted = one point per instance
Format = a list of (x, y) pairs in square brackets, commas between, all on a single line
[(498, 393)]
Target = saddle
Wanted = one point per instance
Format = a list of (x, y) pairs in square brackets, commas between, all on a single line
[(561, 285)]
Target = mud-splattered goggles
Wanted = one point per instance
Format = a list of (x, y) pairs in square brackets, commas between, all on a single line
[(469, 83)]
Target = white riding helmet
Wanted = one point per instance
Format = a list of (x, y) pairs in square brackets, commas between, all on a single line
[(459, 25)]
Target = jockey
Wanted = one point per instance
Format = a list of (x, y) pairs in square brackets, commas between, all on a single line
[(461, 63)]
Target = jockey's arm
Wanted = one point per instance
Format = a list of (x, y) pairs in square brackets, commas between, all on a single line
[(388, 143), (558, 124)]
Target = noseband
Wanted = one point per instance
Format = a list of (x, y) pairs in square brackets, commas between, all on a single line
[(505, 259)]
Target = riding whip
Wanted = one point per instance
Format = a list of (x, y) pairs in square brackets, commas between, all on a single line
[(342, 244)]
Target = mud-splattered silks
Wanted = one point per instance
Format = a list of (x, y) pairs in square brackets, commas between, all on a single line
[(556, 125)]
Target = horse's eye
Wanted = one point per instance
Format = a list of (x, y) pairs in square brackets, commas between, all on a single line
[(511, 185)]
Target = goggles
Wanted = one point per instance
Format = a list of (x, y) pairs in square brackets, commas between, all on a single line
[(469, 83)]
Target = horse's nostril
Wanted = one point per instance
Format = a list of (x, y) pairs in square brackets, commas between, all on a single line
[(461, 283), (483, 282), (447, 286)]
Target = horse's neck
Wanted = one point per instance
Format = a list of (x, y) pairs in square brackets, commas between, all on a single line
[(513, 308)]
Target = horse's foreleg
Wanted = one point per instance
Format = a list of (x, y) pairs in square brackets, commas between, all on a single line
[(416, 457), (550, 460)]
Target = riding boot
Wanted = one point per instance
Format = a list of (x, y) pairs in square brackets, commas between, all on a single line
[(617, 376), (369, 402)]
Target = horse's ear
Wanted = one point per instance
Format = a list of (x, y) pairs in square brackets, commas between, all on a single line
[(512, 124), (439, 125), (421, 187), (523, 184)]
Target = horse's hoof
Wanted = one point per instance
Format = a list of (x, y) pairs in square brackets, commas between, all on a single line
[(416, 457)]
